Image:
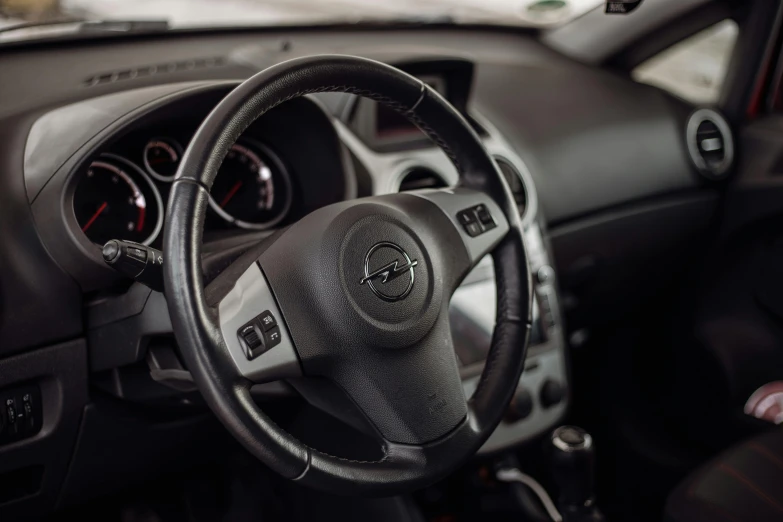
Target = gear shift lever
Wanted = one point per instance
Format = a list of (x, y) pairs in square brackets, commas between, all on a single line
[(573, 463)]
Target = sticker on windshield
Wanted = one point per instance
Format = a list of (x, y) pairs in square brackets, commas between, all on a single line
[(621, 6)]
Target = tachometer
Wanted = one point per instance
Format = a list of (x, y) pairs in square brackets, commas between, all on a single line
[(161, 158), (114, 199), (252, 188)]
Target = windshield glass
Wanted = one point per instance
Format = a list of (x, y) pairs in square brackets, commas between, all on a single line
[(50, 16)]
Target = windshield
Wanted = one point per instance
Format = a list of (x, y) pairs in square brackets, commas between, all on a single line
[(34, 18)]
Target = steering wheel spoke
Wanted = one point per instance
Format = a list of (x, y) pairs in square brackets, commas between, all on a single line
[(478, 220), (254, 331)]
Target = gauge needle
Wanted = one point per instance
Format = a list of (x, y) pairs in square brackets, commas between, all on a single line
[(95, 216), (231, 193), (140, 222)]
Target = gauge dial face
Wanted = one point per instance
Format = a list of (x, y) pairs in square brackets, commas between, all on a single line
[(252, 188), (162, 157), (115, 200)]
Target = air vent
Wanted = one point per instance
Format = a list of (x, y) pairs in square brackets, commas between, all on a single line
[(420, 178), (154, 70), (514, 181), (710, 143)]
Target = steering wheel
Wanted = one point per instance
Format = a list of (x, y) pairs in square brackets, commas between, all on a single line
[(356, 292)]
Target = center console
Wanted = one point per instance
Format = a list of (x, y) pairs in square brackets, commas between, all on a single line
[(542, 393)]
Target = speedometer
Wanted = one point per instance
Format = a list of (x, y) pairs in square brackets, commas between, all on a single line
[(114, 199), (252, 188)]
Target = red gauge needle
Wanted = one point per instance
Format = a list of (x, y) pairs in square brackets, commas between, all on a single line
[(95, 216), (231, 193)]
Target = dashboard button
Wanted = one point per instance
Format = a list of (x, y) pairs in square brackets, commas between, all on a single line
[(252, 340), (137, 252), (10, 410), (272, 337), (27, 402), (485, 217), (473, 229), (23, 414), (546, 304), (545, 274), (551, 393), (466, 217), (521, 406), (267, 320)]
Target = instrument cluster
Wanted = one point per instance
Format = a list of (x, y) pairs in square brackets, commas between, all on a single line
[(120, 194)]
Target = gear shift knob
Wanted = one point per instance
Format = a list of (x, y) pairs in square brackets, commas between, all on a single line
[(573, 466)]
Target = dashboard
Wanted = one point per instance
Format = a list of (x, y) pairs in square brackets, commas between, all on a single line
[(89, 140), (273, 174)]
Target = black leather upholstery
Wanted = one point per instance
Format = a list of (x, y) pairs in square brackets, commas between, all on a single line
[(744, 484), (404, 466)]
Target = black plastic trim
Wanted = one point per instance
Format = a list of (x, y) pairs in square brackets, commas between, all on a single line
[(61, 373)]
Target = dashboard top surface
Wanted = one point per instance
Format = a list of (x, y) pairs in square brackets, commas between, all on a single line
[(541, 101)]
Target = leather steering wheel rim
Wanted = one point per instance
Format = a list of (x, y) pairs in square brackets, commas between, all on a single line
[(416, 457)]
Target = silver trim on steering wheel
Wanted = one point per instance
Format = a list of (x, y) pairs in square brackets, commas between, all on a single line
[(249, 297)]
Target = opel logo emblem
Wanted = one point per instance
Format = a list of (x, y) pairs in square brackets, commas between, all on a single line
[(377, 276)]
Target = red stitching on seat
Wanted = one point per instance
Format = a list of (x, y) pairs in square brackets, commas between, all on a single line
[(720, 511), (742, 478), (711, 507), (694, 484), (765, 451)]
